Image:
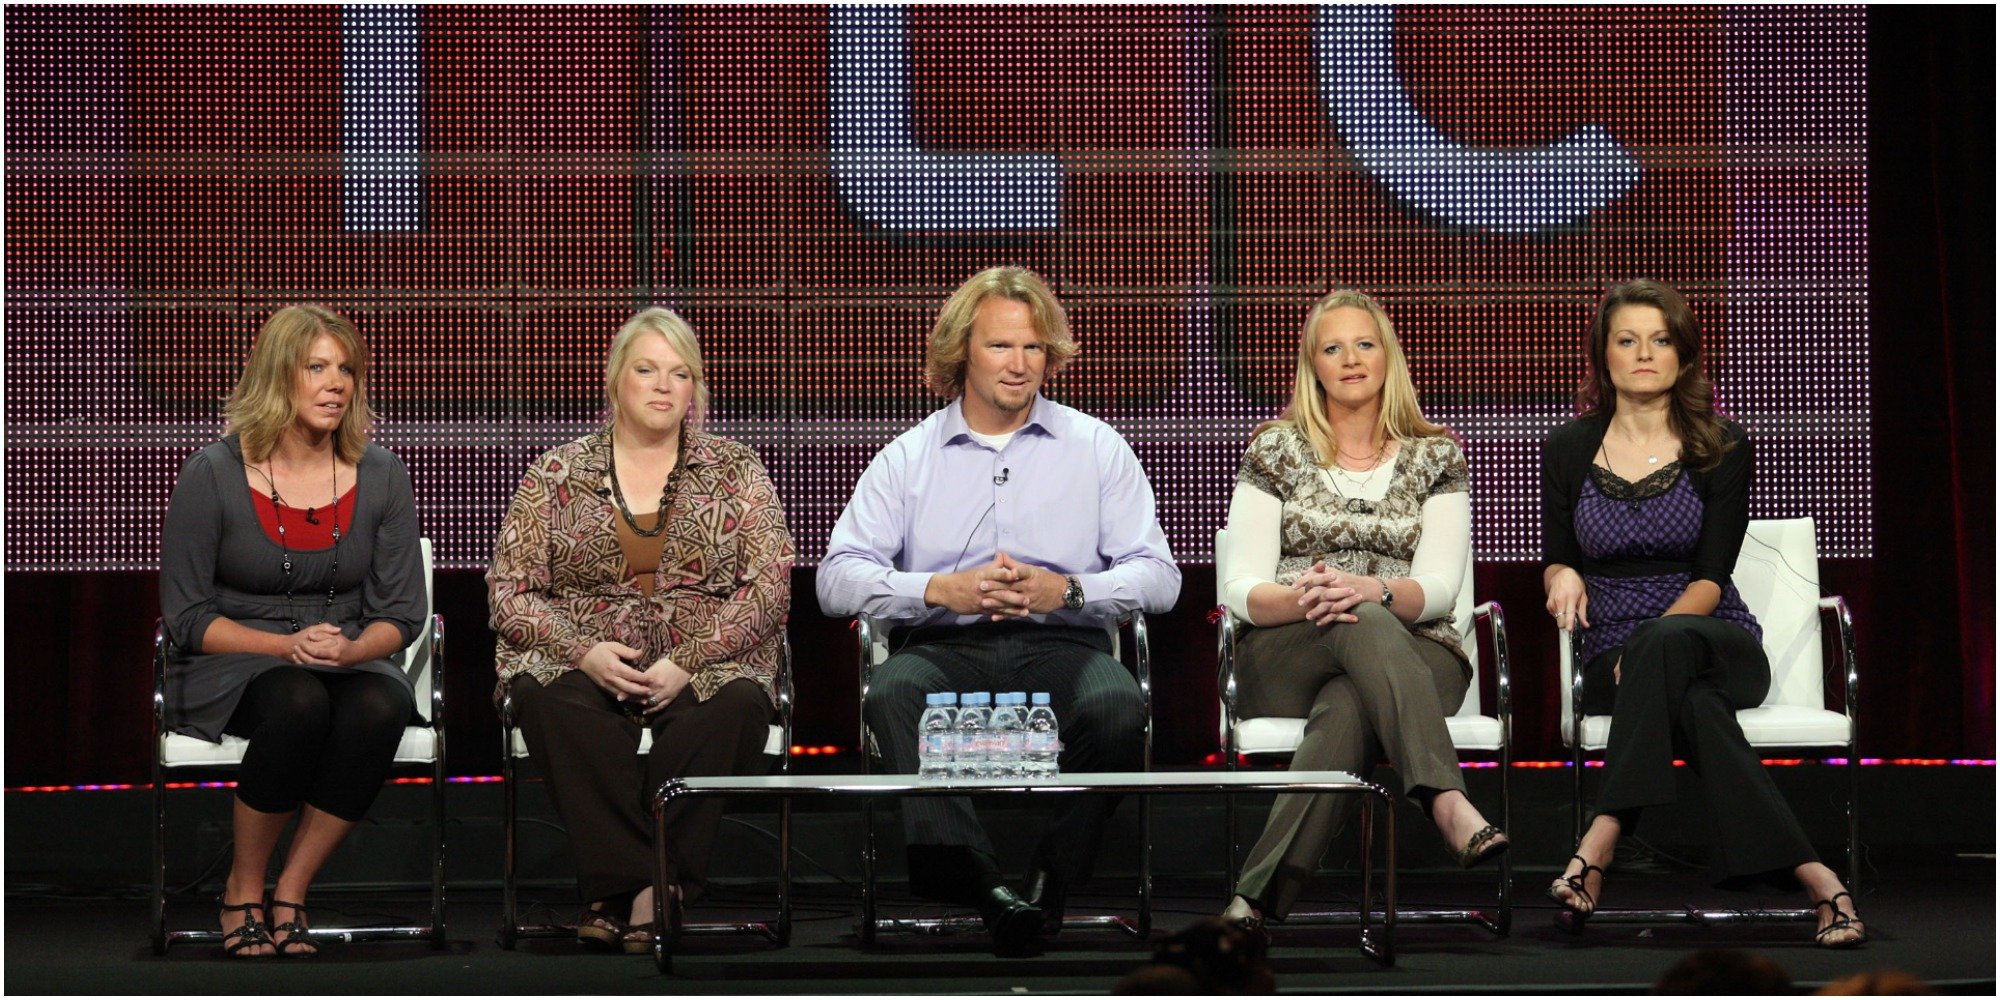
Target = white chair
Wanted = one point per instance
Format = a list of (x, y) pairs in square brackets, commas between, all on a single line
[(514, 749), (1777, 572), (1471, 730), (422, 747), (873, 637)]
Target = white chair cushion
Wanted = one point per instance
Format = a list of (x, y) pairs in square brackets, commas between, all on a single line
[(1768, 726), (774, 745), (1275, 735), (418, 746)]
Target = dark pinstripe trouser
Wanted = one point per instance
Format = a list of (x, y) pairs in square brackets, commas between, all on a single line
[(1097, 705)]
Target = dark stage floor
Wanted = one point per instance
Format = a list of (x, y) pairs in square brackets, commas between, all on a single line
[(1931, 913)]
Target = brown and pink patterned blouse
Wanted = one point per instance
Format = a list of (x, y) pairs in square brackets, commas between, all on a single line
[(721, 594)]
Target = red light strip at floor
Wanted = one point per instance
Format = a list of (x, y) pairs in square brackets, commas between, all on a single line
[(1211, 759)]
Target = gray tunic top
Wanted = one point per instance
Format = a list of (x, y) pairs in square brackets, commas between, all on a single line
[(217, 562)]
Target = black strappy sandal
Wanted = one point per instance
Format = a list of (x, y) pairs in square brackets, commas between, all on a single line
[(250, 933), (298, 937), (1575, 883), (1850, 921)]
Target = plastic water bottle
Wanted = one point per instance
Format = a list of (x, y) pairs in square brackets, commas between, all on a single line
[(1041, 746), (974, 711), (1006, 735), (937, 741)]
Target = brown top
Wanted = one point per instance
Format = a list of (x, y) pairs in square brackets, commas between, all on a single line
[(642, 554)]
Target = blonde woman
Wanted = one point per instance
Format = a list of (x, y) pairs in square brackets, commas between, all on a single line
[(289, 575), (1348, 533), (641, 580)]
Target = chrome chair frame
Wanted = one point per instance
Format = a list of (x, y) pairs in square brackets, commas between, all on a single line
[(1576, 735), (512, 750), (430, 647), (872, 635), (1501, 918)]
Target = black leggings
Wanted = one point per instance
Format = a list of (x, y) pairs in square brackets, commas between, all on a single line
[(323, 739)]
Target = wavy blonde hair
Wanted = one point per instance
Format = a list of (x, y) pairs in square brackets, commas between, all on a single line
[(1398, 418), (944, 360), (265, 400), (680, 336)]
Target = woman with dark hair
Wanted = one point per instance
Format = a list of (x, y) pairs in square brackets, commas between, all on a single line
[(289, 576), (1645, 498), (641, 580), (1349, 534)]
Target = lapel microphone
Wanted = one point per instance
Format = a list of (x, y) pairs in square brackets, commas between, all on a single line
[(1001, 479)]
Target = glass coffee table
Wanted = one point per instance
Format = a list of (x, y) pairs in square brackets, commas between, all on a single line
[(1377, 941)]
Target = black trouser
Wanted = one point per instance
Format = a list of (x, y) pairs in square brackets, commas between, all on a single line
[(603, 790), (323, 739), (1682, 680), (1097, 704)]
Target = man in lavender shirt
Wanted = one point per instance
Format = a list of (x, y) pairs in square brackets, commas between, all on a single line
[(1006, 534)]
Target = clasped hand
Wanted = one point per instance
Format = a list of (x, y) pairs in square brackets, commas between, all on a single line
[(1328, 595), (1002, 589), (321, 645), (612, 666)]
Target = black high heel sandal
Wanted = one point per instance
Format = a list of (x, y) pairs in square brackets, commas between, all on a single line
[(1841, 922), (1575, 883), (250, 933), (298, 937)]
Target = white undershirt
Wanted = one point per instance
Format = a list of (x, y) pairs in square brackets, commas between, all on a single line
[(1252, 549), (997, 442)]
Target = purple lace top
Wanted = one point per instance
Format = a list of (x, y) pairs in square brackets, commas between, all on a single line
[(1657, 518)]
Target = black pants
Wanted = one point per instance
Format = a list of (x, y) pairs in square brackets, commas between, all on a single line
[(1097, 704), (323, 739), (603, 789), (1682, 680)]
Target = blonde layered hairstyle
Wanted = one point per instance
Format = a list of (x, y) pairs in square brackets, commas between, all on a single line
[(1398, 418), (265, 400), (680, 336), (951, 336)]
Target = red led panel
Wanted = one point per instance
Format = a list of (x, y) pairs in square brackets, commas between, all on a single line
[(488, 192)]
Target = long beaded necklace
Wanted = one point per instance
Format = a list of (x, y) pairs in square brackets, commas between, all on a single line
[(618, 495), (278, 508)]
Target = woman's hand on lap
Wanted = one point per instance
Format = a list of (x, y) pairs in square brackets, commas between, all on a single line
[(609, 666), (667, 681)]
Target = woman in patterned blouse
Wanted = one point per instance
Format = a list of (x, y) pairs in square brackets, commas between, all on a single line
[(641, 579), (1645, 499), (1349, 534)]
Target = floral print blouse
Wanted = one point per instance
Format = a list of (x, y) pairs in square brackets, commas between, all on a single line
[(721, 594)]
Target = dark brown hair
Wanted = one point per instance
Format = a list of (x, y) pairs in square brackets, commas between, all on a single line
[(1691, 405)]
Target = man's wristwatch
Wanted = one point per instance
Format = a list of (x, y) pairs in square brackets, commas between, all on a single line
[(1073, 594)]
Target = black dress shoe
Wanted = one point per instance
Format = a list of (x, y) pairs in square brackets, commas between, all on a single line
[(1013, 921), (1047, 891)]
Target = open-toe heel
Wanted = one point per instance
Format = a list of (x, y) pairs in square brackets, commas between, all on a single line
[(298, 941), (1848, 921), (1580, 904), (248, 934)]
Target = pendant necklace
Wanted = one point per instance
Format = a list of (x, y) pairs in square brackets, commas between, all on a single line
[(284, 547)]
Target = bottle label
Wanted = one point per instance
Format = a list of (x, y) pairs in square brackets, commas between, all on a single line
[(940, 744), (1041, 742)]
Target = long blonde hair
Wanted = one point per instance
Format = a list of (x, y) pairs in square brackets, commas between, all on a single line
[(265, 400), (1398, 418)]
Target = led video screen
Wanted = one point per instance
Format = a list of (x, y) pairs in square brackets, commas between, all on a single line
[(489, 192)]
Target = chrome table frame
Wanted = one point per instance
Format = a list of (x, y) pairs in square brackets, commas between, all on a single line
[(872, 787)]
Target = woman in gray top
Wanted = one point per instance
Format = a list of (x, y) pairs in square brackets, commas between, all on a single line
[(289, 576)]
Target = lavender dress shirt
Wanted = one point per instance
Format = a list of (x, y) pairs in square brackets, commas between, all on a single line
[(1066, 493)]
